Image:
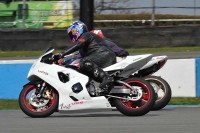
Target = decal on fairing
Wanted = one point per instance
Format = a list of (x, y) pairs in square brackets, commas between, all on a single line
[(43, 72), (76, 103), (62, 106)]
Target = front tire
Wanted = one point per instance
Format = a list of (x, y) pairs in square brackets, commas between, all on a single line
[(37, 107), (162, 89), (141, 106)]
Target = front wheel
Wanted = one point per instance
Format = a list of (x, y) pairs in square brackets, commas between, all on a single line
[(162, 89), (141, 106), (38, 107)]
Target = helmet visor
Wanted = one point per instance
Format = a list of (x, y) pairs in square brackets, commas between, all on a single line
[(70, 36)]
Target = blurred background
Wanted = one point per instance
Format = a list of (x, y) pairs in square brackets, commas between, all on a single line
[(59, 14), (131, 23)]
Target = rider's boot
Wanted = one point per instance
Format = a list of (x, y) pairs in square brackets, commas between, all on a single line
[(105, 79), (106, 84)]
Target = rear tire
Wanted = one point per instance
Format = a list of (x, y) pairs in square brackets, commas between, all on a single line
[(165, 96), (140, 107)]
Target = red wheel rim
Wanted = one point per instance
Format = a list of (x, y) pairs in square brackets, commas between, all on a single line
[(31, 107), (144, 99)]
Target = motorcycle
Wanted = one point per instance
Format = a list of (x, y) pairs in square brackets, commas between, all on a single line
[(161, 87), (54, 88)]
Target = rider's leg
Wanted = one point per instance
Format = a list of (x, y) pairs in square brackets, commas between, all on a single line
[(90, 67)]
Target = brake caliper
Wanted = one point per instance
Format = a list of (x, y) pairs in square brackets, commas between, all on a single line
[(48, 94)]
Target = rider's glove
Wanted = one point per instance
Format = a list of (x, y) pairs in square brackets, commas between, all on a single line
[(57, 56)]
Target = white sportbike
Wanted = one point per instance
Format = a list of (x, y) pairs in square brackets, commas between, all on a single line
[(53, 88)]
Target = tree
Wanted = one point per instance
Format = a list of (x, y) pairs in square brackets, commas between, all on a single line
[(108, 7), (113, 6)]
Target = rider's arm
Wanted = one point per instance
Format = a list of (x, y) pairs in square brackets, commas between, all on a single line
[(76, 46), (71, 49)]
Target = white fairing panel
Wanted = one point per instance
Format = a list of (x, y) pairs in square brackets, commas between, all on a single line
[(49, 73), (95, 103), (124, 63), (155, 60)]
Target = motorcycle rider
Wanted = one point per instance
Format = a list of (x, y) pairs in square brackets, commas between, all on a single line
[(120, 52), (95, 53)]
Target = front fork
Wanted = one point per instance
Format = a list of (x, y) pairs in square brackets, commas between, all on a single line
[(40, 90)]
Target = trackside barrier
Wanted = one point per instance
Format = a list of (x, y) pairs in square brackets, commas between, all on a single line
[(183, 75), (13, 75)]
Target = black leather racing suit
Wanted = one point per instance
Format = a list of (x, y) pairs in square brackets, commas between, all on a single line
[(95, 52)]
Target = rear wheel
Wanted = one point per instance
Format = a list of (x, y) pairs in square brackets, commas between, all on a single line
[(140, 107), (162, 89), (36, 107)]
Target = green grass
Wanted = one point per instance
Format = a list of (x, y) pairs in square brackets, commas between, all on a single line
[(4, 54), (164, 49), (13, 104), (185, 101), (8, 104)]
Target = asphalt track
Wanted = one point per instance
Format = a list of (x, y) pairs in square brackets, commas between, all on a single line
[(171, 119), (177, 55)]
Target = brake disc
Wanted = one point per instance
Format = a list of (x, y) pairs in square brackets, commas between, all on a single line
[(37, 102)]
